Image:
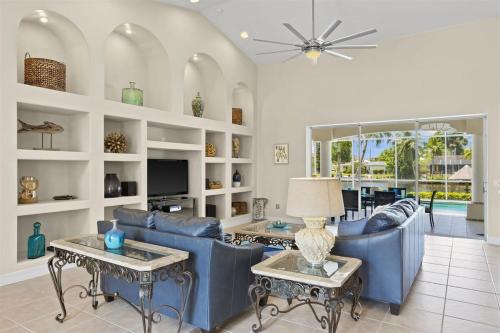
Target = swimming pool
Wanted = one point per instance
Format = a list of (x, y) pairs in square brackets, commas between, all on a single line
[(450, 207)]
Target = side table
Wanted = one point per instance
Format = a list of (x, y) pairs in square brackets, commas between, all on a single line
[(288, 275)]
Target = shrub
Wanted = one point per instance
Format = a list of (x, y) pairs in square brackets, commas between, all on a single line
[(461, 196)]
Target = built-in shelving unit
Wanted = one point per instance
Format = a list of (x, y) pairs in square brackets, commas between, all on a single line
[(91, 108)]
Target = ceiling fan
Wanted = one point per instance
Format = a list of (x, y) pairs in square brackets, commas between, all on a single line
[(314, 47)]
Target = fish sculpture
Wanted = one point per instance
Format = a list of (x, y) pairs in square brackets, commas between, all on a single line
[(47, 127)]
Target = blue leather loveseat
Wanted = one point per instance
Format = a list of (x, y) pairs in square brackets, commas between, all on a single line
[(391, 247), (221, 271)]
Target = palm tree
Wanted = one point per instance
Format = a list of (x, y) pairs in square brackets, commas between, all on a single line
[(378, 137)]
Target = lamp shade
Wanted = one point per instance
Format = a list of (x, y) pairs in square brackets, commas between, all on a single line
[(315, 197)]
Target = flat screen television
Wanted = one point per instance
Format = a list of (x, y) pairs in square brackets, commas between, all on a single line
[(167, 177)]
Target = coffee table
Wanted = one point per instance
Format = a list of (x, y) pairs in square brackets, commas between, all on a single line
[(288, 275), (264, 233), (135, 262)]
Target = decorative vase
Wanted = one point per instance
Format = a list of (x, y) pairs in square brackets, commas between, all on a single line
[(132, 95), (259, 209), (236, 179), (314, 241), (236, 147), (112, 186), (28, 193), (36, 243), (198, 106), (114, 238)]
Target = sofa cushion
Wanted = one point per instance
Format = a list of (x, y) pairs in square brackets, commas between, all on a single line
[(135, 217), (206, 227), (389, 218), (351, 228)]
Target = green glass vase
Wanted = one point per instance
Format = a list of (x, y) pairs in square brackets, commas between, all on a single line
[(132, 95), (36, 243)]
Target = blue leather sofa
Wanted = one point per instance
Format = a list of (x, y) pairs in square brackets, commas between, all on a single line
[(221, 271), (391, 258)]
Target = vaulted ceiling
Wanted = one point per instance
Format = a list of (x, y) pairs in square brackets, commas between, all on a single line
[(393, 18)]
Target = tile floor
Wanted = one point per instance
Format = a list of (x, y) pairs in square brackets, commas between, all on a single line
[(457, 290)]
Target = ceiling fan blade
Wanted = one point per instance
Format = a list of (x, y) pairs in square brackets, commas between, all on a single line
[(280, 51), (274, 42), (329, 30), (353, 36), (340, 55), (296, 33), (351, 47), (292, 57)]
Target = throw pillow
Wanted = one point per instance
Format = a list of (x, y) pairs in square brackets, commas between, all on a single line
[(387, 219), (405, 206), (206, 227), (351, 228), (411, 202), (134, 217)]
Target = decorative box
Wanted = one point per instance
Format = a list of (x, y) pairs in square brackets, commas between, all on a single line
[(240, 206), (237, 116)]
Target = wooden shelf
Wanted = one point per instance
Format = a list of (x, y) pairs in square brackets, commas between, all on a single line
[(37, 261), (241, 189), (53, 206), (173, 146), (241, 160), (111, 157), (108, 202), (51, 100), (51, 155), (219, 191), (215, 160)]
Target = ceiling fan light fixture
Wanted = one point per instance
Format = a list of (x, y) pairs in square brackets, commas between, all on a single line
[(313, 54)]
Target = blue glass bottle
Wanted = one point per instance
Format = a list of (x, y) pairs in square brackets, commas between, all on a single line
[(114, 238), (36, 243)]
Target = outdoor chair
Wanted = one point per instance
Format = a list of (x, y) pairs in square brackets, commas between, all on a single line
[(429, 208), (351, 203), (400, 191), (384, 198)]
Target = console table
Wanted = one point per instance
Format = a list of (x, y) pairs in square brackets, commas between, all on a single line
[(288, 275), (135, 262)]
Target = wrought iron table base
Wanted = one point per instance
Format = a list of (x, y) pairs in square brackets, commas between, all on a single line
[(146, 281), (265, 240), (308, 295)]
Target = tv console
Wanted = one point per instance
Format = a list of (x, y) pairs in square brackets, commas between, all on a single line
[(182, 205)]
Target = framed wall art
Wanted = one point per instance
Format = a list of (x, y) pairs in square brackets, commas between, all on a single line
[(281, 153)]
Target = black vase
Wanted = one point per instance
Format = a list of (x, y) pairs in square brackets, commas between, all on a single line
[(112, 186)]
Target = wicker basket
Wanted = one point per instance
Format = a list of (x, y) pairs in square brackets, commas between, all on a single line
[(45, 73)]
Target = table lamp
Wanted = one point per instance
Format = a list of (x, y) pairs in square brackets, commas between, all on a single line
[(315, 199)]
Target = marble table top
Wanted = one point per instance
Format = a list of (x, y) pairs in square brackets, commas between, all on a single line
[(290, 265), (161, 256)]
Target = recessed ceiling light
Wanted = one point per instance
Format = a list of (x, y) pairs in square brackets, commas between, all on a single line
[(244, 35), (194, 1), (195, 57), (44, 19), (128, 31)]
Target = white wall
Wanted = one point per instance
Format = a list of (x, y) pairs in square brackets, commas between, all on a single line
[(451, 71)]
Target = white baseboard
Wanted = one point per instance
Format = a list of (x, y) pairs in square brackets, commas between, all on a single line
[(493, 240), (27, 274)]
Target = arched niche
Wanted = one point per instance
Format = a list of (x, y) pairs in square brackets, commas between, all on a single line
[(46, 34), (202, 74), (134, 54), (243, 99)]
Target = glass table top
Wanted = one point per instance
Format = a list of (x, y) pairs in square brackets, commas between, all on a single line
[(128, 251), (296, 263), (267, 228)]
